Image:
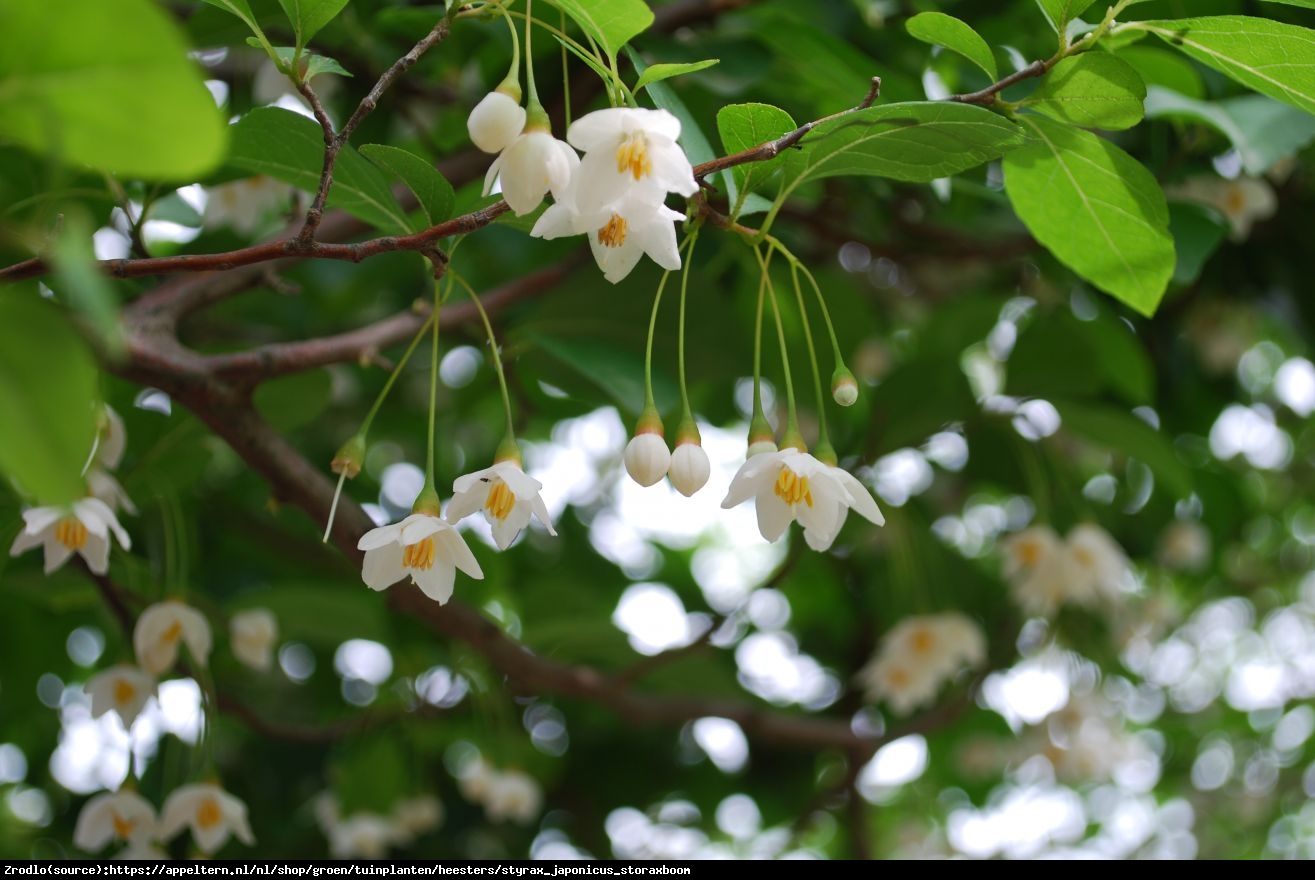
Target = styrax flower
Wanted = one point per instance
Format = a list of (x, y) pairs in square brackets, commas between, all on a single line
[(102, 484), (212, 813), (496, 120), (123, 815), (629, 152), (111, 439), (161, 627), (83, 527), (690, 468), (647, 458), (507, 496), (532, 165), (918, 655), (423, 546), (124, 689), (253, 634), (513, 795), (620, 232)]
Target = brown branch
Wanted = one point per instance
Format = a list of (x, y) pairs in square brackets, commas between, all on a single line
[(987, 95)]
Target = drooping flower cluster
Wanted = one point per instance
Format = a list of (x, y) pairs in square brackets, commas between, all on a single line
[(367, 835), (918, 656), (1045, 571), (212, 814), (504, 794)]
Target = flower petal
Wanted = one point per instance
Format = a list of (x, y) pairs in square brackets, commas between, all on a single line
[(455, 550), (774, 516), (436, 582), (380, 536), (383, 567)]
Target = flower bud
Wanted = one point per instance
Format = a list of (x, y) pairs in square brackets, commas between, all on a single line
[(647, 458), (690, 468), (496, 120), (844, 388), (758, 447), (348, 460)]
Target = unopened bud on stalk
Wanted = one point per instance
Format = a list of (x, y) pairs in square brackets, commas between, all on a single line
[(498, 118), (844, 388), (647, 456), (690, 467), (349, 459)]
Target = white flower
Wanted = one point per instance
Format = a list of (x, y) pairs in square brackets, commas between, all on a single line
[(423, 546), (124, 689), (253, 634), (1026, 550), (532, 165), (1045, 572), (619, 233), (111, 439), (159, 629), (1185, 546), (417, 815), (647, 458), (83, 528), (475, 779), (629, 151), (212, 813), (361, 836), (1098, 567), (513, 795), (142, 850), (690, 468), (506, 494), (1242, 201), (101, 484), (123, 815), (495, 122), (791, 485), (918, 655), (245, 205)]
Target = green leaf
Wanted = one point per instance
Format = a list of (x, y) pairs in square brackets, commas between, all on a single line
[(79, 282), (743, 126), (1160, 67), (1305, 4), (309, 16), (1098, 210), (659, 72), (1262, 130), (613, 23), (47, 396), (312, 65), (1061, 12), (1091, 90), (107, 85), (1124, 432), (241, 9), (940, 29), (1058, 355), (1197, 233), (431, 188), (1271, 57), (292, 401), (916, 142), (615, 370), (289, 147)]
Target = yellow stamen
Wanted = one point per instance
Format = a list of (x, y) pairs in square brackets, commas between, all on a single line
[(632, 156), (897, 678), (170, 635), (923, 640), (122, 827), (123, 692), (1029, 552), (613, 232), (71, 533), (792, 488), (500, 501), (208, 814), (419, 555), (1084, 557)]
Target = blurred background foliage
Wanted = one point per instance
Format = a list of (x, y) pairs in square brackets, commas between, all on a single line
[(997, 390)]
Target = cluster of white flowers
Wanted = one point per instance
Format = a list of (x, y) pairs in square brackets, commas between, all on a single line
[(615, 194), (367, 835), (1045, 571), (504, 794), (85, 526), (918, 656), (429, 549), (212, 814), (1242, 201)]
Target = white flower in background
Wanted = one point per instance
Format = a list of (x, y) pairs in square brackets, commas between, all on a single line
[(496, 121), (1026, 550), (619, 232), (83, 527), (647, 458), (475, 779), (629, 152), (1242, 201), (1184, 546), (417, 815), (245, 205), (361, 836), (513, 795), (533, 164), (161, 627), (111, 439), (212, 813), (791, 485), (1097, 564), (919, 655), (123, 689), (123, 815), (423, 546), (690, 468), (142, 850), (253, 634), (102, 484), (507, 496)]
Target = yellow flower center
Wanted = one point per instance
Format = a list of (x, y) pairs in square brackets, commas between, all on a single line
[(71, 533), (632, 156), (922, 640), (1084, 557), (613, 232), (792, 488), (500, 501), (122, 827), (170, 635), (419, 555), (208, 814), (123, 691), (897, 678), (1235, 201), (1029, 552)]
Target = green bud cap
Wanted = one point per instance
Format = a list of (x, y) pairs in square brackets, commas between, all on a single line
[(508, 450), (510, 87), (688, 432), (349, 459), (427, 502), (650, 422)]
